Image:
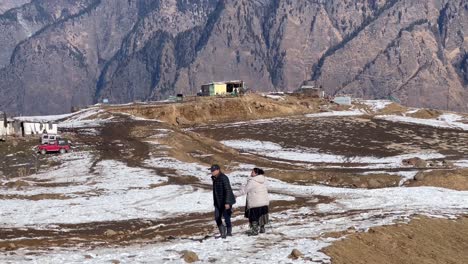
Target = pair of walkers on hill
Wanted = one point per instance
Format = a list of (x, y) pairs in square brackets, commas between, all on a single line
[(257, 202)]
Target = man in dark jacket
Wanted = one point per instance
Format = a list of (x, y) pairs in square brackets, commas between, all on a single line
[(223, 198)]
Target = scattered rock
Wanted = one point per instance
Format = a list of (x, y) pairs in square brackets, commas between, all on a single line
[(295, 254), (421, 164), (415, 162), (88, 257), (114, 261), (12, 246), (351, 230), (419, 177), (110, 232), (411, 161), (447, 164), (182, 121), (190, 256)]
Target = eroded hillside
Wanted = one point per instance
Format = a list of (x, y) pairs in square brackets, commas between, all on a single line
[(128, 50)]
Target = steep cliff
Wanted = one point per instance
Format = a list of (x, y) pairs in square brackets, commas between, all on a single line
[(58, 53)]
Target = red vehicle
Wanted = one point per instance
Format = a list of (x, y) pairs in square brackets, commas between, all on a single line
[(60, 145)]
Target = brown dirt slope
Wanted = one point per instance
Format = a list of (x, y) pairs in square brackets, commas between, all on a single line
[(206, 110), (450, 179), (429, 241)]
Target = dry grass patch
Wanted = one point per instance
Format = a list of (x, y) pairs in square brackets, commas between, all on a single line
[(430, 241)]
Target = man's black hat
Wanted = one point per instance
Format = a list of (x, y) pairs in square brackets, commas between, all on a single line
[(214, 167)]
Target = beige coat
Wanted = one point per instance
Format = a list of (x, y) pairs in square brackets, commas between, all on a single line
[(256, 191)]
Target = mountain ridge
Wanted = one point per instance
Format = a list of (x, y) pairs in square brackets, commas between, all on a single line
[(128, 50)]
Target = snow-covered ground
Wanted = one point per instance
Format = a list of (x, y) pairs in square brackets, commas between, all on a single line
[(125, 193), (85, 118), (443, 121), (271, 149), (237, 249), (427, 199), (110, 190), (43, 118), (373, 107), (377, 105), (355, 112)]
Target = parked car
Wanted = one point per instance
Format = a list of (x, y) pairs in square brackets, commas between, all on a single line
[(60, 145), (46, 138)]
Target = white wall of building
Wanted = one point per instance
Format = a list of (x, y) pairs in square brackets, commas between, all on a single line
[(31, 128), (3, 131), (7, 131)]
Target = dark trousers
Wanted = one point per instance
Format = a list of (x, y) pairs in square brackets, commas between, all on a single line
[(220, 213)]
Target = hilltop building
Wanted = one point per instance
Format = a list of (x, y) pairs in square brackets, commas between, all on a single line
[(222, 88)]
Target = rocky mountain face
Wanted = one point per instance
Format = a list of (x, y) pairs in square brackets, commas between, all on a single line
[(60, 53)]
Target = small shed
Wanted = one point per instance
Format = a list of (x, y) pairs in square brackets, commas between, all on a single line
[(311, 91), (342, 100), (222, 88), (24, 126)]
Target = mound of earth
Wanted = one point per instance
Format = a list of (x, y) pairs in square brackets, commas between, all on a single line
[(393, 109), (426, 114), (207, 110), (406, 243), (450, 179)]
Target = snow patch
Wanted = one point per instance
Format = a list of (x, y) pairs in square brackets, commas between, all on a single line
[(337, 114), (82, 119), (274, 150), (377, 105), (461, 163), (27, 29), (443, 121), (303, 227)]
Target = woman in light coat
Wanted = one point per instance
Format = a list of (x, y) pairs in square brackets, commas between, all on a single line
[(256, 208)]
